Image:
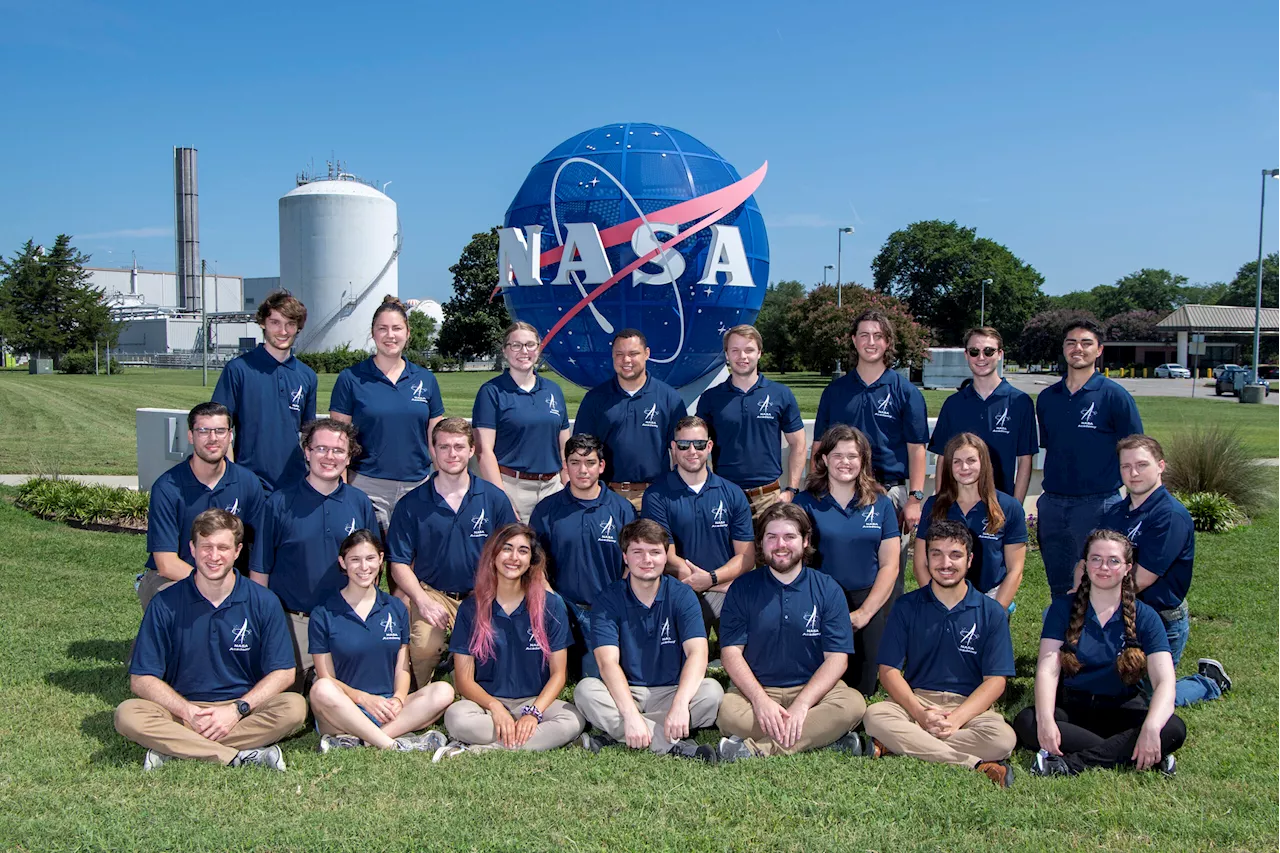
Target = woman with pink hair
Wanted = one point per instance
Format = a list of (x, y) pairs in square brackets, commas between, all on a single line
[(509, 641)]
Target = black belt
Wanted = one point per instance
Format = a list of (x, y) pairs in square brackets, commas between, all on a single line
[(297, 613), (889, 484)]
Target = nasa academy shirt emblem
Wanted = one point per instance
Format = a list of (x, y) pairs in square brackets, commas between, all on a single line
[(608, 531), (763, 412), (419, 391), (389, 629), (240, 637)]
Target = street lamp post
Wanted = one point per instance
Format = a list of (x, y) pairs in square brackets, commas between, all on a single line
[(1257, 306), (824, 271), (840, 232), (982, 317)]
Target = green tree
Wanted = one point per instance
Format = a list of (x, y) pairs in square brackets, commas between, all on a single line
[(473, 323), (937, 269), (1144, 290), (47, 306), (1243, 289), (828, 329), (422, 331), (1076, 300), (1204, 294), (775, 323), (1138, 325), (1041, 340)]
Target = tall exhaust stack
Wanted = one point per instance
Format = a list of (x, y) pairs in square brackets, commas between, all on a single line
[(186, 230)]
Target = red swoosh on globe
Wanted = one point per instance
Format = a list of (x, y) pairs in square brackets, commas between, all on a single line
[(714, 206)]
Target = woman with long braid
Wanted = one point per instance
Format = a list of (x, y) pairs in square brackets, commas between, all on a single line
[(1094, 649)]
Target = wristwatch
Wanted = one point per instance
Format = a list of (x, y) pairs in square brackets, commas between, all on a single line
[(242, 708), (531, 711), (917, 494), (715, 579), (792, 489)]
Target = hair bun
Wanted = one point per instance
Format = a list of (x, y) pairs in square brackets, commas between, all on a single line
[(392, 300)]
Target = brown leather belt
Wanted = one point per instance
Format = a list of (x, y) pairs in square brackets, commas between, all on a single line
[(628, 487), (525, 475), (768, 489)]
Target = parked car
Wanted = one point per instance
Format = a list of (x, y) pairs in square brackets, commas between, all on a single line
[(1232, 379), (1219, 368), (1172, 371), (1269, 371)]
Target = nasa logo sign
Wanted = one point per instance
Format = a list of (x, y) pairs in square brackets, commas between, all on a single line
[(640, 226)]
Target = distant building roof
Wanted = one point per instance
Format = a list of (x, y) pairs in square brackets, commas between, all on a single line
[(1218, 318)]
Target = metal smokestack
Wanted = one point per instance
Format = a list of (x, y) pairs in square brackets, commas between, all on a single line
[(186, 229)]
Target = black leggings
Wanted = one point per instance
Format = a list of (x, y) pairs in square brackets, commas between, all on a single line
[(1099, 734), (863, 672)]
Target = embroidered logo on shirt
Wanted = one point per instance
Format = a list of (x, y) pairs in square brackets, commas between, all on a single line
[(811, 623), (234, 509), (994, 537), (869, 517), (1086, 417), (651, 417), (240, 637), (764, 413), (882, 408), (665, 639), (389, 631), (350, 528), (719, 516), (533, 642), (295, 400), (1132, 535), (551, 404), (967, 639), (607, 531), (418, 391), (1002, 422), (478, 525)]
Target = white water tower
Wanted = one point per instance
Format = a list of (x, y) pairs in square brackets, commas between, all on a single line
[(339, 244)]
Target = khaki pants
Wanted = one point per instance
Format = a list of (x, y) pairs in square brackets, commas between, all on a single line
[(987, 737), (635, 496), (828, 721), (298, 628), (427, 643), (151, 583), (525, 494), (473, 725), (759, 503), (593, 699), (149, 725), (383, 494)]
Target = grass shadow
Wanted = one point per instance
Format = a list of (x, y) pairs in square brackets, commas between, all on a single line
[(115, 750), (112, 651), (108, 683)]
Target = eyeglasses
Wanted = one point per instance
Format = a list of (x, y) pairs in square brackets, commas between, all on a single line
[(335, 452), (1113, 562), (695, 443), (527, 346), (216, 432), (974, 352)]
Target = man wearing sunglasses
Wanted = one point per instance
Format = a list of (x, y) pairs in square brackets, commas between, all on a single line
[(995, 411), (205, 480), (708, 518)]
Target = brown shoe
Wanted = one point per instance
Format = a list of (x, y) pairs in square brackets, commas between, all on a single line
[(1000, 772), (876, 749)]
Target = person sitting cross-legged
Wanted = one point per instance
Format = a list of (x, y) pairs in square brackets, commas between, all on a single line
[(651, 648), (211, 662), (359, 640), (944, 658), (785, 640)]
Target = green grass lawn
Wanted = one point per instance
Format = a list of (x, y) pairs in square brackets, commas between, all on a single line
[(69, 782), (86, 424)]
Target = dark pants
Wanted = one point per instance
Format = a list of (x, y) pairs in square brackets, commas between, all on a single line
[(1065, 522), (582, 659), (1098, 733), (862, 674)]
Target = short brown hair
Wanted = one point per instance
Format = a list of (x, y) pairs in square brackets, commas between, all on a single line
[(745, 330), (985, 331), (886, 328), (785, 512), (644, 530), (1141, 442), (340, 427), (691, 422), (211, 521), (288, 306), (454, 426)]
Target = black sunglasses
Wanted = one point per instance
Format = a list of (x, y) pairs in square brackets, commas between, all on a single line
[(974, 352), (695, 443)]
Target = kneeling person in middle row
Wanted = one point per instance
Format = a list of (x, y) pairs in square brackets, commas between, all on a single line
[(651, 648), (944, 658)]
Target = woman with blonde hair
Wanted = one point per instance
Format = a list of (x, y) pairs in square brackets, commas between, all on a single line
[(1094, 649)]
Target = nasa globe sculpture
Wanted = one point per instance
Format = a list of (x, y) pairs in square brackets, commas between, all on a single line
[(640, 226)]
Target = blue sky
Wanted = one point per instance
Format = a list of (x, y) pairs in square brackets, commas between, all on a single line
[(1092, 139)]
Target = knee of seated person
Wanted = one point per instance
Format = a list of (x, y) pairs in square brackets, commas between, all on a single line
[(324, 691), (123, 719), (1174, 732)]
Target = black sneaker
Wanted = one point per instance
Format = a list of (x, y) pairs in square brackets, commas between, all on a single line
[(691, 749), (1215, 672), (1047, 764), (1168, 766), (1000, 772), (594, 743), (849, 744)]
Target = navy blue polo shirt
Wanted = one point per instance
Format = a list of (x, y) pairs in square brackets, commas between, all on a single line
[(1100, 645), (269, 402), (848, 538), (636, 429), (747, 428), (1164, 541), (1079, 433), (890, 411), (1006, 421), (364, 651), (444, 546), (177, 497), (527, 423), (298, 543), (650, 638), (517, 669), (785, 628), (988, 568), (581, 540), (207, 653), (391, 418), (948, 650), (704, 524)]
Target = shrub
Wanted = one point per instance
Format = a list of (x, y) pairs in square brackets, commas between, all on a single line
[(1212, 458), (333, 360), (1033, 532), (81, 362), (69, 500), (1212, 512)]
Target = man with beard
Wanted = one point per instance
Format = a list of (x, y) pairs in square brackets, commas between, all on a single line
[(785, 639), (944, 659), (205, 480)]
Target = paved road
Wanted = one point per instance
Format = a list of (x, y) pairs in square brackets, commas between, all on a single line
[(1034, 383)]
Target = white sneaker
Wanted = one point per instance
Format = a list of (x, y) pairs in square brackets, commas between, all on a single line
[(331, 742), (154, 759), (267, 756), (450, 750)]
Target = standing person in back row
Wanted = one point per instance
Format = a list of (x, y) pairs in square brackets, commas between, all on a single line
[(995, 411), (635, 416), (1082, 418), (395, 404), (890, 412), (521, 424), (270, 395), (749, 416)]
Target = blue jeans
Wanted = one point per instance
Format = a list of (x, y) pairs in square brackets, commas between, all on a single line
[(1065, 522), (582, 661), (1190, 689)]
